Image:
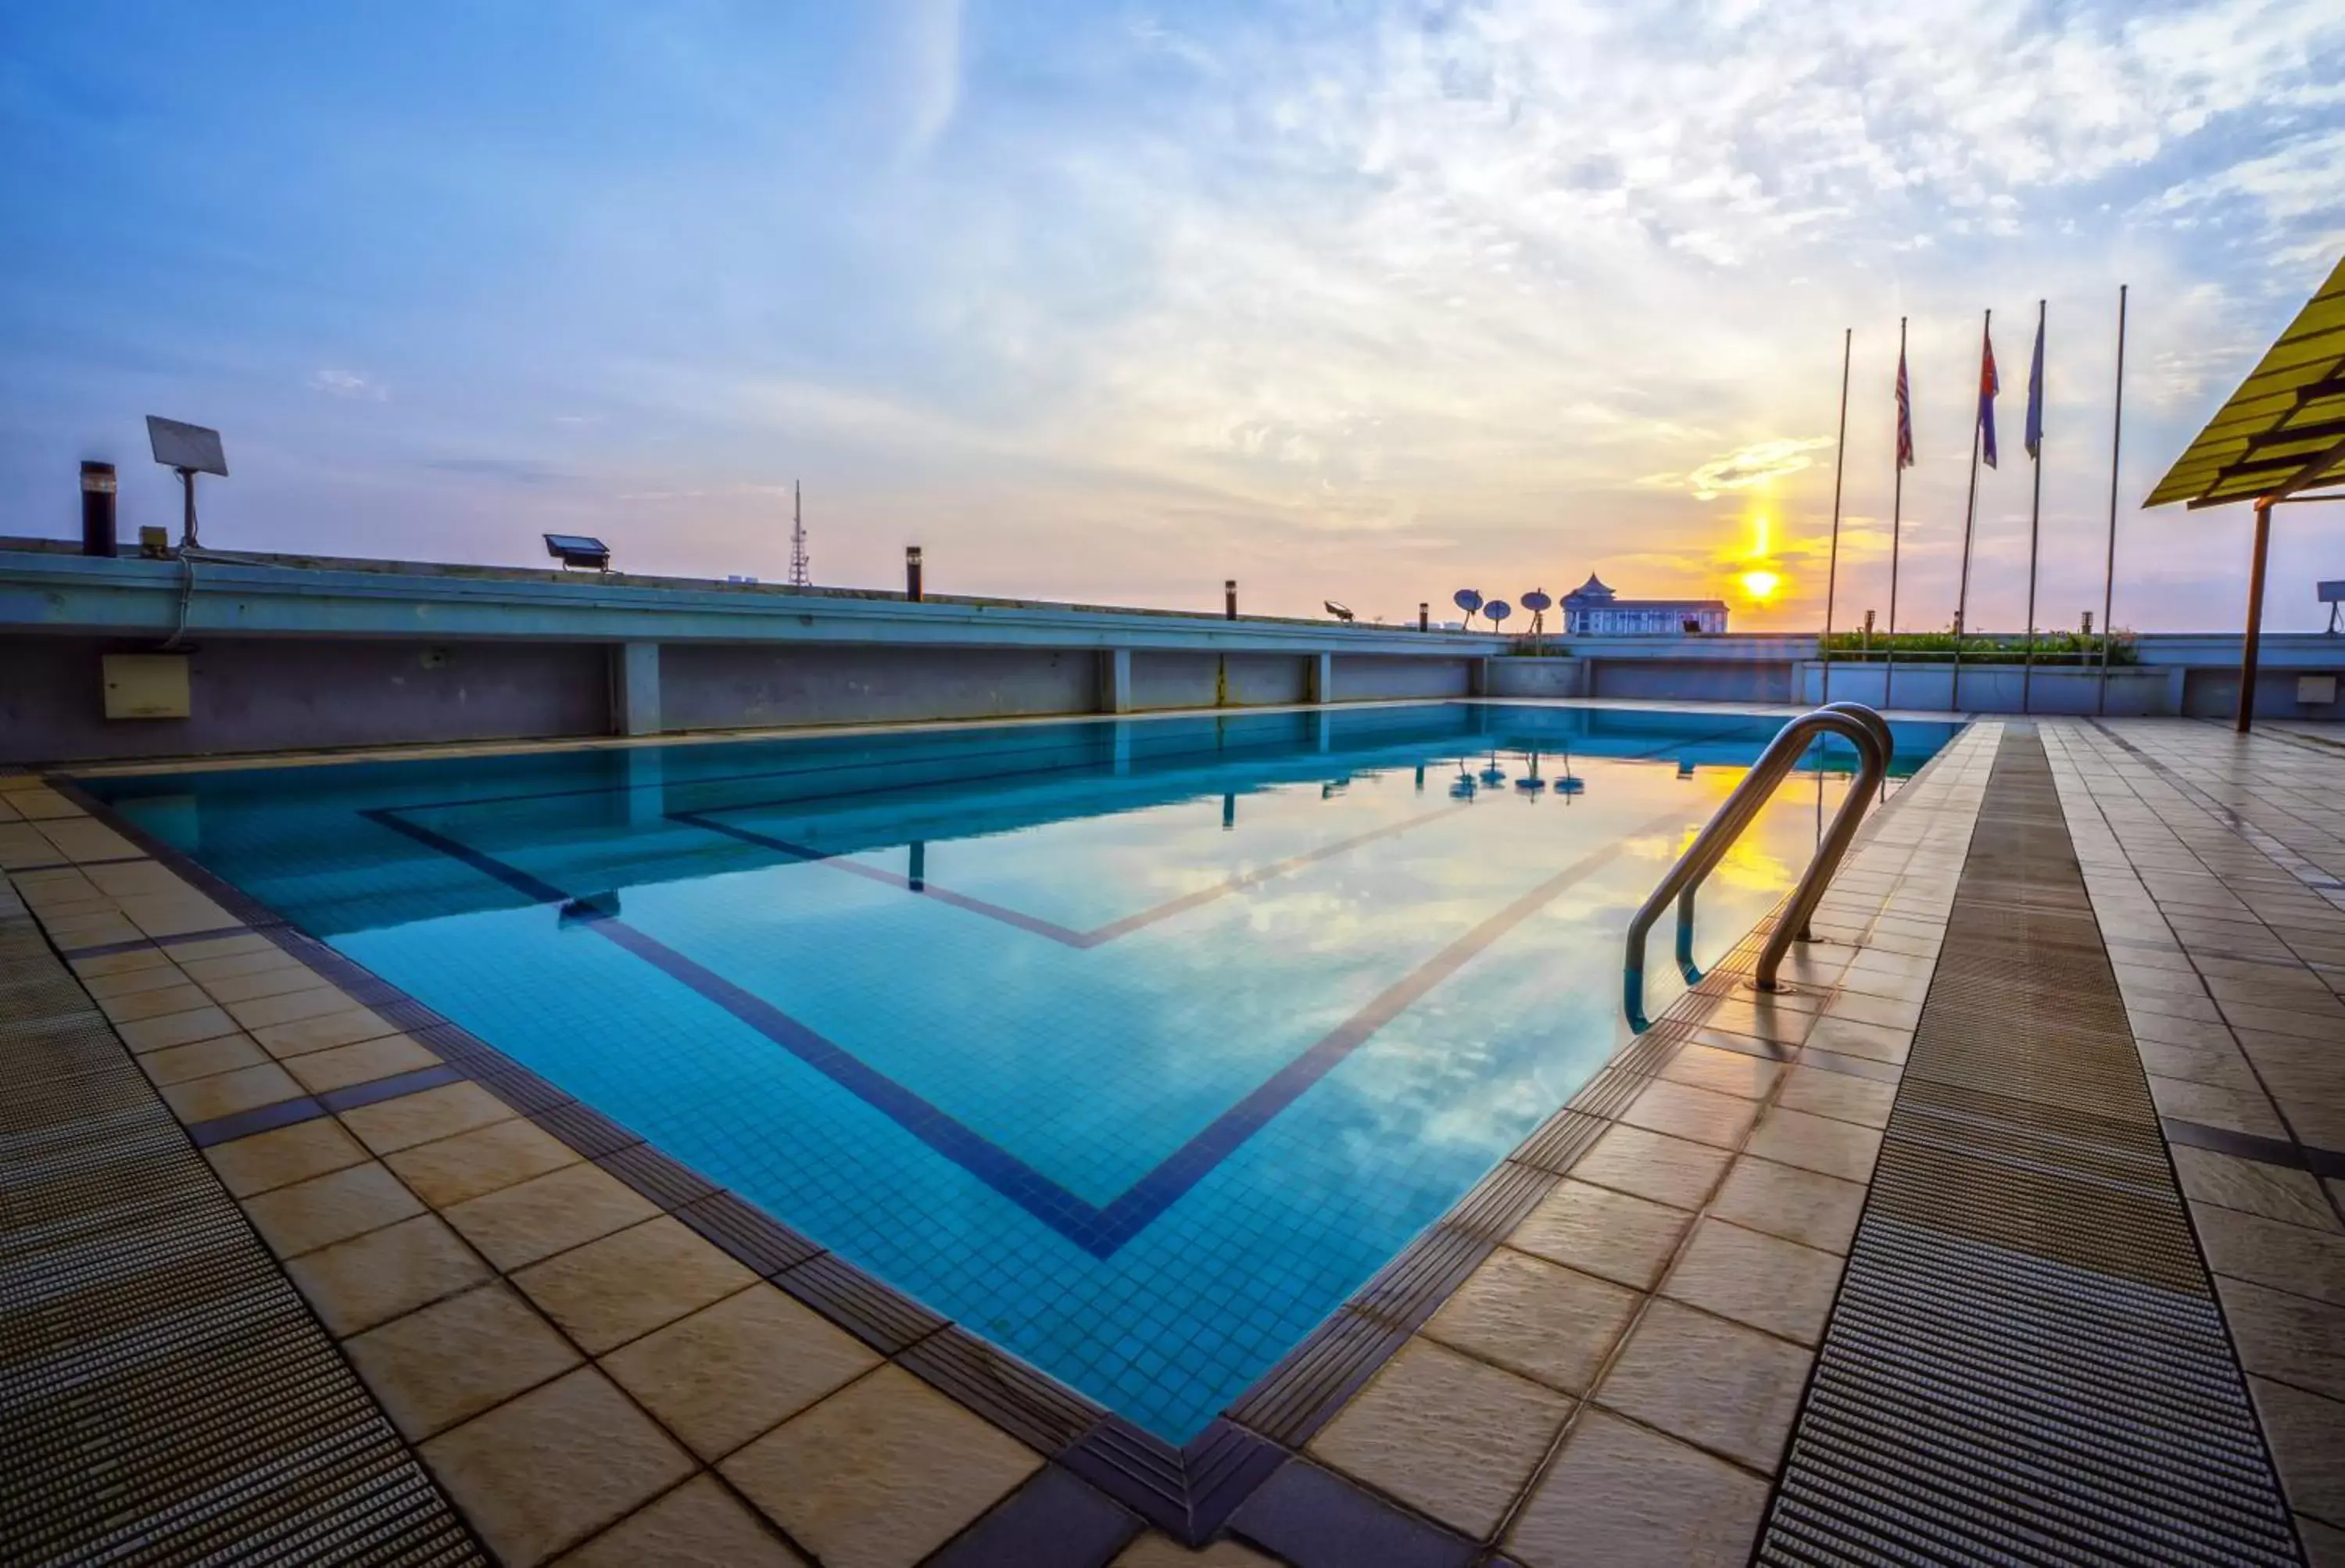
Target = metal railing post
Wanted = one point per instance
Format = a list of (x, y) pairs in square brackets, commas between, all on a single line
[(1863, 728)]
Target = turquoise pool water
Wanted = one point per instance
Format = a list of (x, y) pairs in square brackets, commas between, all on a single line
[(1132, 1046)]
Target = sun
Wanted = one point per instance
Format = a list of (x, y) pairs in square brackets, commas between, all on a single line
[(1761, 584)]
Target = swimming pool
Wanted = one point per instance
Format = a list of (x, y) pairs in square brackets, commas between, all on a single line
[(1132, 1046)]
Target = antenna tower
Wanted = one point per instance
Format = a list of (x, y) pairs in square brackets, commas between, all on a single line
[(801, 573)]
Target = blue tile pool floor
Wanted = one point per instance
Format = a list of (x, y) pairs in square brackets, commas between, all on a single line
[(1134, 1046)]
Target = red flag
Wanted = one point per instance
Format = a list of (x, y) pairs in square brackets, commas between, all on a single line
[(1988, 386), (1904, 416)]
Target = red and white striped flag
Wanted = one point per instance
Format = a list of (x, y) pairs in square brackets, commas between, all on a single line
[(1904, 416)]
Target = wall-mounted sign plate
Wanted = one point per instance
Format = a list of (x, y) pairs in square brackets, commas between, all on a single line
[(146, 686)]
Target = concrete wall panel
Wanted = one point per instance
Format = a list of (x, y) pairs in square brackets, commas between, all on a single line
[(1690, 680), (1204, 679), (705, 686), (1361, 678), (260, 695)]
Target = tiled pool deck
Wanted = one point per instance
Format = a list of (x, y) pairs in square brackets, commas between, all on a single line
[(1600, 1357)]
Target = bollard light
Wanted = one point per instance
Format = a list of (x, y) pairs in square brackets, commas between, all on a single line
[(97, 537), (912, 573), (1230, 598)]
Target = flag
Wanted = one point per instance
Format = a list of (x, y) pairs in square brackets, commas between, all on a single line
[(1904, 416), (2036, 396), (1988, 387)]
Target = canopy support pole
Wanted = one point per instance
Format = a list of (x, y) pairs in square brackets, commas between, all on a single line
[(2252, 645)]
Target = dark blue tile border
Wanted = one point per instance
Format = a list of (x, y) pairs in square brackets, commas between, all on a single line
[(1052, 1522), (1101, 1230), (260, 1119)]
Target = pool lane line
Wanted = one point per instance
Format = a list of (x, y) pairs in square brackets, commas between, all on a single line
[(1066, 935), (1099, 1230)]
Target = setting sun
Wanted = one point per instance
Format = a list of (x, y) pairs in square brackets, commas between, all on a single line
[(1761, 585)]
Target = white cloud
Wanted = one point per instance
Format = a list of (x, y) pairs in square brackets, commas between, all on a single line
[(348, 384)]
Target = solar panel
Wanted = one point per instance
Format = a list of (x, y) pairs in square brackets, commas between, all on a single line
[(188, 446), (578, 550)]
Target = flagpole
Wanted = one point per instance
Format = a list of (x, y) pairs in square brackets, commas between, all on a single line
[(2109, 577), (1970, 517), (1839, 462), (1897, 522), (2034, 504)]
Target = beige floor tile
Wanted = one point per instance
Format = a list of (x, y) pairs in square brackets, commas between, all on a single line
[(177, 1064), (1870, 1041), (1451, 1436), (631, 1282), (320, 1071), (156, 976), (388, 1125), (140, 1005), (176, 1029), (880, 1473), (450, 1361), (1836, 1148), (546, 1470), (175, 915), (447, 1171), (202, 948), (2223, 1066), (328, 1208), (738, 1368), (1530, 1316), (303, 1036), (2307, 1434), (1653, 1166), (195, 1100), (1723, 1071), (1805, 1206), (2324, 1544), (700, 1524), (2251, 1186), (283, 980), (549, 1213), (1838, 1096), (1763, 1280), (372, 1278), (1699, 1116), (1155, 1550), (1716, 1384), (290, 1006), (2289, 1339), (1599, 1231), (2238, 1110), (1622, 1497), (2291, 1257), (283, 1156), (1882, 1011), (1763, 1018), (112, 964), (262, 960)]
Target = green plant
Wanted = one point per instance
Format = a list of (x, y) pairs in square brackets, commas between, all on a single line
[(2054, 648)]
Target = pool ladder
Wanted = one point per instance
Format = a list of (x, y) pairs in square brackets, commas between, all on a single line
[(1863, 727)]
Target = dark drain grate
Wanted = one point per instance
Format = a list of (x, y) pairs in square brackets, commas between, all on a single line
[(2025, 1362), (165, 1396)]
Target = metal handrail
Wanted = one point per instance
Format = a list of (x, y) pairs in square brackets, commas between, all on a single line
[(1863, 727)]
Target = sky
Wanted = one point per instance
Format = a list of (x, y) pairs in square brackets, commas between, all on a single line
[(1107, 302)]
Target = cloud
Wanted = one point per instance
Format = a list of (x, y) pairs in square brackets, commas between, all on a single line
[(348, 384), (521, 470), (1755, 464)]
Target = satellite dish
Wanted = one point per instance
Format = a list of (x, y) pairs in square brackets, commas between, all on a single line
[(1467, 600), (1336, 610), (1498, 610), (1536, 601)]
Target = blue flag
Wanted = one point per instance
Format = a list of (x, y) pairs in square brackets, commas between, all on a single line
[(1989, 384), (2035, 397)]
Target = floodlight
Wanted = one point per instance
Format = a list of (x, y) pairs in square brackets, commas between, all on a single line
[(1336, 610), (2332, 594), (188, 450), (578, 550)]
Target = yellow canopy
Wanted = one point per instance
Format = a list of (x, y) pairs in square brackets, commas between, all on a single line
[(2284, 429)]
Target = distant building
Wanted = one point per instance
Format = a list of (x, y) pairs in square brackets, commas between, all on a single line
[(1593, 610)]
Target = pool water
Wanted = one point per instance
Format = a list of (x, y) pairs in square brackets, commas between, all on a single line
[(1134, 1046)]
